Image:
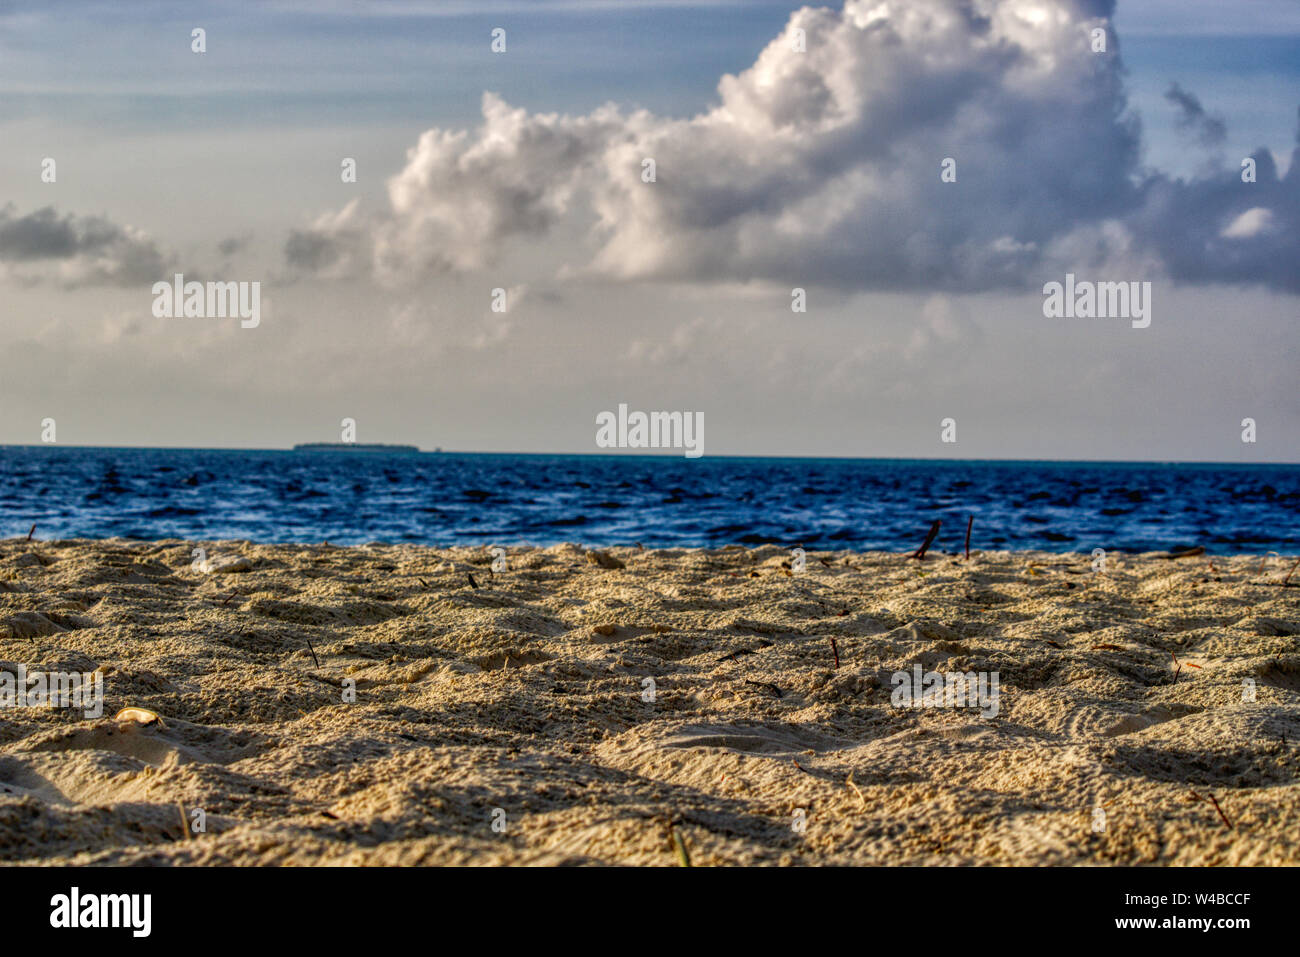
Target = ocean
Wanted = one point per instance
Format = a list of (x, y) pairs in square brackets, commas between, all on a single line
[(658, 501)]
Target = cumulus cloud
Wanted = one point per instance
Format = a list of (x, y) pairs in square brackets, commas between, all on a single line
[(1208, 130), (76, 250), (821, 164), (44, 246), (333, 245)]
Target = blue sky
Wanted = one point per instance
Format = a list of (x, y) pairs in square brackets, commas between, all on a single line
[(119, 68), (298, 63)]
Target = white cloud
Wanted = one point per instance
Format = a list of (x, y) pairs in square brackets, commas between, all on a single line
[(824, 167), (1251, 223)]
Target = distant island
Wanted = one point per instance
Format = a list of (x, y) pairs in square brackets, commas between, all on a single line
[(353, 447)]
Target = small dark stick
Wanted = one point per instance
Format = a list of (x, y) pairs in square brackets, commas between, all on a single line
[(835, 651), (33, 532), (313, 652), (1215, 802), (472, 582), (1284, 580), (763, 684), (934, 530), (969, 522), (228, 597)]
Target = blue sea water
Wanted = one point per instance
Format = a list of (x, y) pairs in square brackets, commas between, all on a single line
[(452, 498)]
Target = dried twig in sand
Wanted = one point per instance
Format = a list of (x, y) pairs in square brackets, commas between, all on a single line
[(472, 582), (764, 684), (228, 597), (185, 824), (836, 652), (1291, 572), (31, 533), (1224, 817), (313, 652), (934, 530), (856, 790), (1215, 801), (679, 847), (969, 522)]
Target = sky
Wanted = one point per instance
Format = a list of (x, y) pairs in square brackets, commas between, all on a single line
[(794, 148)]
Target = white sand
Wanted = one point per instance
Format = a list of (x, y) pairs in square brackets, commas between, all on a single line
[(526, 695)]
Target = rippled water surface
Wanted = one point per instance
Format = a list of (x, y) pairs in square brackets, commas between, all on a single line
[(444, 498)]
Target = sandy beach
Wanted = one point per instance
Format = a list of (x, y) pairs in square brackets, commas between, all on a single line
[(409, 705)]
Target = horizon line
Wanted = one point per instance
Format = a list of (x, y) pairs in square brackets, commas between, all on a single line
[(642, 455)]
